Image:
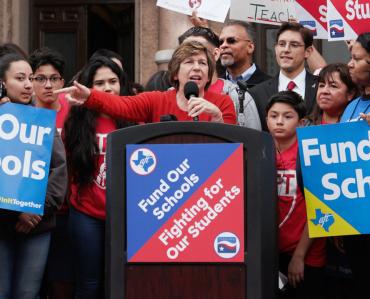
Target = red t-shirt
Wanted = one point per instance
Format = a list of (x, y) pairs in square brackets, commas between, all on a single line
[(292, 209), (150, 106), (62, 114), (91, 199)]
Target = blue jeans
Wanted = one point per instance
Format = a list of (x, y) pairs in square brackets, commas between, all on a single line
[(87, 236), (22, 259)]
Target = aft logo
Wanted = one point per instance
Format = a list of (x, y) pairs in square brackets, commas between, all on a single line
[(227, 245), (325, 220), (336, 28), (143, 161)]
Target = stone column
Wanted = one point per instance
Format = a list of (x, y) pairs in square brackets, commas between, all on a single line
[(20, 23), (14, 24), (156, 33), (171, 26), (6, 21)]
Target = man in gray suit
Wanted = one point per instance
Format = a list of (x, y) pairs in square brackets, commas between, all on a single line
[(293, 47)]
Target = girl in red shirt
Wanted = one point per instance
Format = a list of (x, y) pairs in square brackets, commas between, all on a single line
[(85, 136)]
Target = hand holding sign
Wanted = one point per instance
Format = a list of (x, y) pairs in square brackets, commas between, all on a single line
[(197, 21), (365, 117), (27, 222), (76, 94), (215, 10)]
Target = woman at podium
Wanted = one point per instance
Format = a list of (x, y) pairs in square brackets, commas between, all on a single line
[(190, 62)]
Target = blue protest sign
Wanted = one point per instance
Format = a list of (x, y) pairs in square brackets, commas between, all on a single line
[(26, 138), (336, 175)]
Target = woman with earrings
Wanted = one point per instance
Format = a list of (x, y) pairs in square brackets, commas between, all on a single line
[(25, 237)]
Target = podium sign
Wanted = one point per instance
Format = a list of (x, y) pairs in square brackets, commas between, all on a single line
[(185, 202)]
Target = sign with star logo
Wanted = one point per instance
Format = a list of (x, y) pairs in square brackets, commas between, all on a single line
[(335, 164), (185, 203), (347, 19)]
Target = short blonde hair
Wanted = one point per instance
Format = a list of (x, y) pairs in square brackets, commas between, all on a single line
[(184, 51)]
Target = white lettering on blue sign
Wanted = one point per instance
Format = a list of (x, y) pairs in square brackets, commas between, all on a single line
[(341, 152), (34, 136)]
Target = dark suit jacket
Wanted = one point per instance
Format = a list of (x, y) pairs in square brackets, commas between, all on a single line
[(257, 77), (262, 92)]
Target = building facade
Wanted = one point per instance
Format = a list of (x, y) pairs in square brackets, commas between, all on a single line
[(144, 34)]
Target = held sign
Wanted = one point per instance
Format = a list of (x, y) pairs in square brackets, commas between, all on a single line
[(185, 203), (26, 138), (312, 15), (346, 19), (335, 162), (263, 11)]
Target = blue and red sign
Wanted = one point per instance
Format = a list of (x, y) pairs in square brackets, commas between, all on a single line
[(185, 203)]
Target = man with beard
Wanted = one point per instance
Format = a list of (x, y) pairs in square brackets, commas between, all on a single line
[(236, 54)]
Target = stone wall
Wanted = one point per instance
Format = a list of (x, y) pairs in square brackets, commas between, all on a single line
[(14, 22)]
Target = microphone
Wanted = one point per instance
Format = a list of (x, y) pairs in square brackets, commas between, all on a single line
[(191, 89)]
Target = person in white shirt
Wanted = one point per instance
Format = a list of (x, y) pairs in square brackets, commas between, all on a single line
[(293, 46)]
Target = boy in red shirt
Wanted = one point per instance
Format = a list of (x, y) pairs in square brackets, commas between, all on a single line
[(48, 69), (301, 259)]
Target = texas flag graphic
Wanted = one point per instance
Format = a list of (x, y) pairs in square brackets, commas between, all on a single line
[(310, 25), (336, 28), (190, 207), (312, 15), (226, 244), (347, 19)]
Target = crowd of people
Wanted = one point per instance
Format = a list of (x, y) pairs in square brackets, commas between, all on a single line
[(61, 254)]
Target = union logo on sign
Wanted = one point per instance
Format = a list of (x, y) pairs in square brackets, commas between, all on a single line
[(227, 245), (310, 25), (143, 161), (336, 28)]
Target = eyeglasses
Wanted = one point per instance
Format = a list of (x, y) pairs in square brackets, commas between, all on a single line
[(293, 45), (41, 80), (233, 40)]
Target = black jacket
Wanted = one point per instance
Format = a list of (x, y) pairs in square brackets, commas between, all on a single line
[(261, 94)]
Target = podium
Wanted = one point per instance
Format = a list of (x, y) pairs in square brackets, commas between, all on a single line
[(255, 278)]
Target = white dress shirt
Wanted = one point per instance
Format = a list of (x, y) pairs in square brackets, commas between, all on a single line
[(300, 82)]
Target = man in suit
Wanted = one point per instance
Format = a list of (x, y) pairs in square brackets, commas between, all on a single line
[(293, 47), (236, 54)]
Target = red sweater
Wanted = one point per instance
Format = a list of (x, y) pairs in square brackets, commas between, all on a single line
[(149, 106)]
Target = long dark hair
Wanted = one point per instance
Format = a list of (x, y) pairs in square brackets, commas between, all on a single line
[(325, 75), (80, 127)]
